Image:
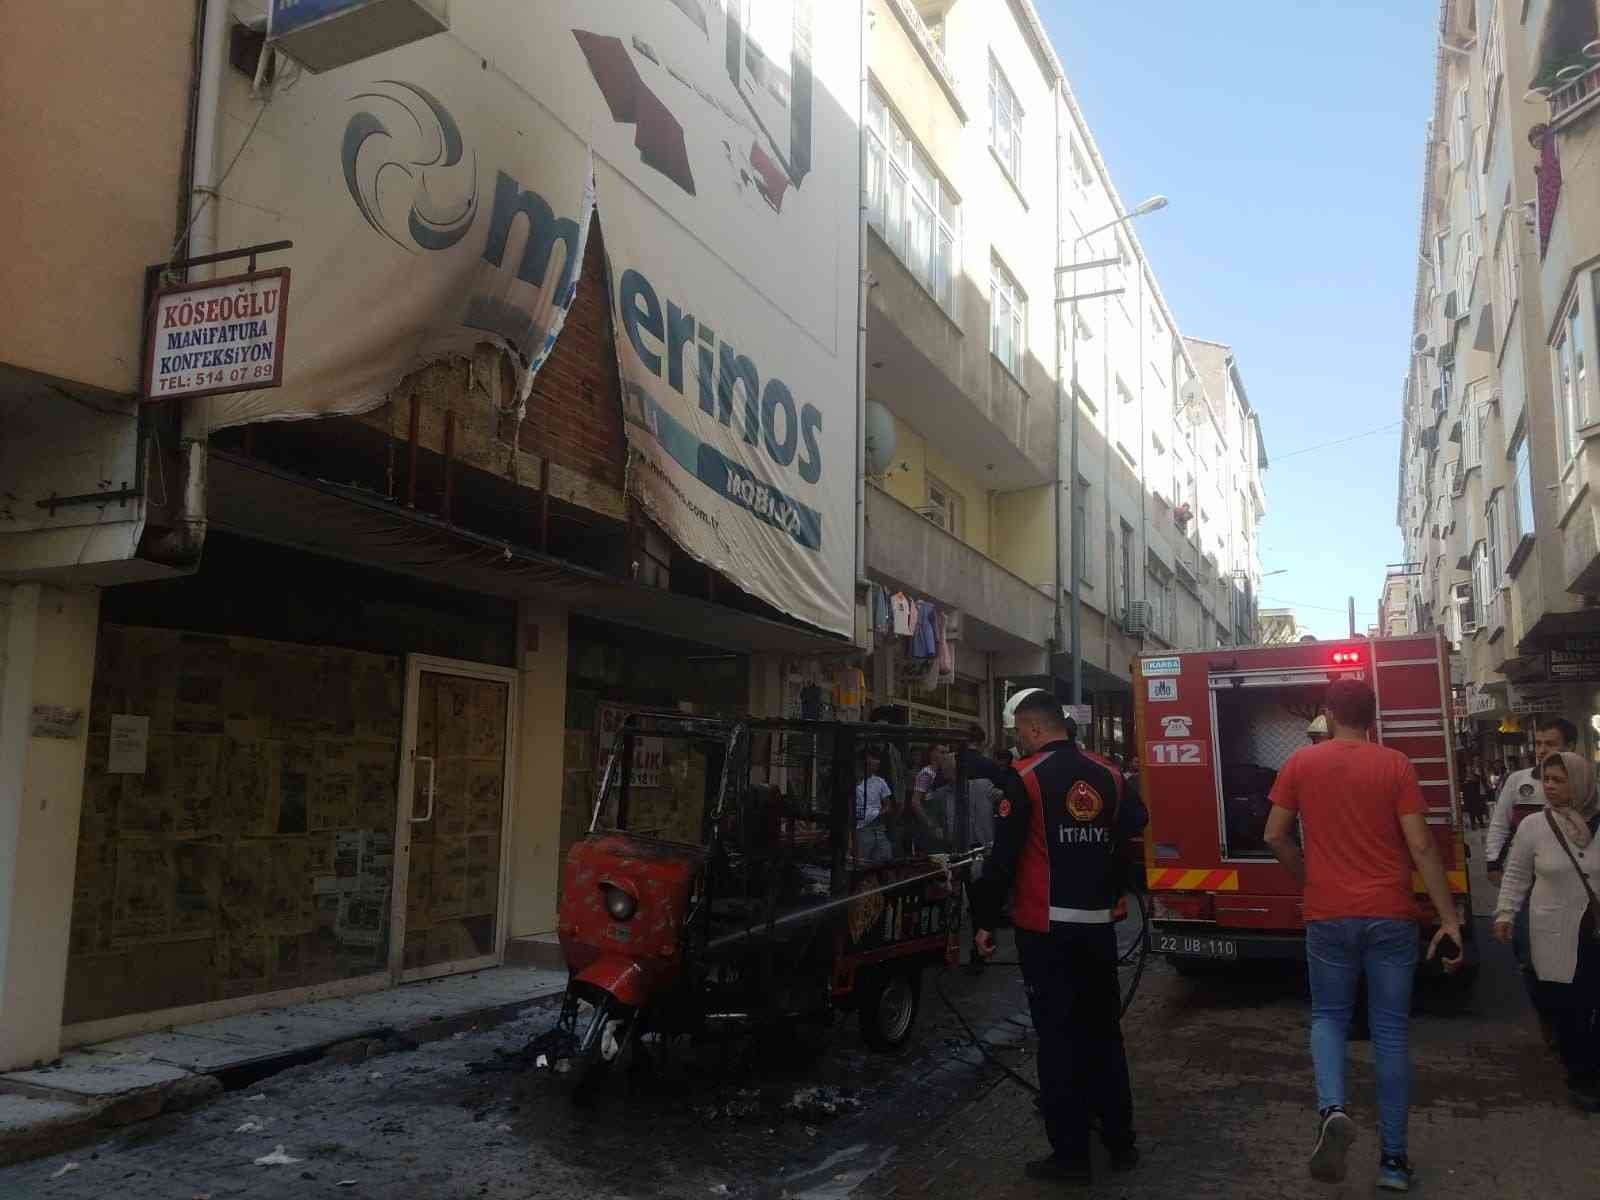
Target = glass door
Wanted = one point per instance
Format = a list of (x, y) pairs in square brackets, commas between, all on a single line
[(454, 802)]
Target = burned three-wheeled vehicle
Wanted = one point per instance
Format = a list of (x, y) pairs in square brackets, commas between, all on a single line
[(741, 874)]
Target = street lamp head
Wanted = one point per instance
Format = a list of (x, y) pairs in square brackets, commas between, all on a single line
[(1153, 204)]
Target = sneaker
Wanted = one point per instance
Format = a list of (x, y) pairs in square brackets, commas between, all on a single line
[(1124, 1158), (1394, 1173), (1059, 1170), (1338, 1131)]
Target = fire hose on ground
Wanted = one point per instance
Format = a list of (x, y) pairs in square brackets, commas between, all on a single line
[(1138, 953)]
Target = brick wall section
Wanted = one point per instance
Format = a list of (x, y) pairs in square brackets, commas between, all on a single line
[(575, 411)]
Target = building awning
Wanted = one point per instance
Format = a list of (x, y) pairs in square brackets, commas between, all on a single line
[(251, 498), (1585, 622)]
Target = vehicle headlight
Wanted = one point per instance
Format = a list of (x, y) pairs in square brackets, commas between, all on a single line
[(619, 903)]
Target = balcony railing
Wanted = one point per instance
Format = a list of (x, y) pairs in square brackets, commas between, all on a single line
[(1571, 100)]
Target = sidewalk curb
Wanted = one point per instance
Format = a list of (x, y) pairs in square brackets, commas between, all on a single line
[(66, 1119)]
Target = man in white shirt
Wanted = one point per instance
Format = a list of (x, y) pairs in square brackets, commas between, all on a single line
[(874, 800), (1551, 735)]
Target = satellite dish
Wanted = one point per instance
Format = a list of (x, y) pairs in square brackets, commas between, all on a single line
[(880, 438), (1193, 392), (1419, 344)]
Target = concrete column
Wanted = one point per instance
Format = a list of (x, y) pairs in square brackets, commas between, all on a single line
[(49, 662), (541, 772), (766, 685)]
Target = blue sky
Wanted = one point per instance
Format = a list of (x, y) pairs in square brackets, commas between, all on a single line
[(1291, 146)]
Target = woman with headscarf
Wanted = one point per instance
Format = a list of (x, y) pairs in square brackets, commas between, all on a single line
[(1556, 856)]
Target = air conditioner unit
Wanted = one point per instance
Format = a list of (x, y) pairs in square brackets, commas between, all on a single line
[(1461, 597), (321, 35), (1136, 617)]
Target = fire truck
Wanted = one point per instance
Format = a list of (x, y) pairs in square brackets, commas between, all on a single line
[(1214, 727)]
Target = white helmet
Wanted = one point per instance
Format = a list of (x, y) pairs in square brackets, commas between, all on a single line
[(1010, 715)]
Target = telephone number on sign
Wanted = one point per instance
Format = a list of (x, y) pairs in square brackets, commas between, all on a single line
[(1196, 947), (216, 378)]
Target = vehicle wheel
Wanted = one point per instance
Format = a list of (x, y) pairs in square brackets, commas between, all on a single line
[(888, 1008)]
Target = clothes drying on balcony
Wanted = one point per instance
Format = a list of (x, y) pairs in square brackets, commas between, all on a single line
[(925, 636), (905, 615)]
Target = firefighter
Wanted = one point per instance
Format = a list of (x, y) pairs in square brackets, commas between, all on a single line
[(1060, 830)]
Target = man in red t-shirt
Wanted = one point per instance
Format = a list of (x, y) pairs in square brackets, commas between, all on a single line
[(1361, 818)]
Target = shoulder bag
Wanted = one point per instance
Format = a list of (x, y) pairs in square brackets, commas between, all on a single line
[(1589, 927)]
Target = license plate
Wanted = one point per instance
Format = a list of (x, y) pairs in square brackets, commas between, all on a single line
[(1196, 947)]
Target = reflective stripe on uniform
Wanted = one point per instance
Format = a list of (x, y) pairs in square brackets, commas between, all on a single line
[(1081, 916)]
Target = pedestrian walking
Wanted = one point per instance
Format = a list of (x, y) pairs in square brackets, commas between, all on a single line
[(1060, 830), (984, 776), (1554, 868), (1520, 795), (1361, 812), (1472, 798)]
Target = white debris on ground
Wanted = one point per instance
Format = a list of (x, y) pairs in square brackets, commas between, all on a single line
[(745, 1103), (250, 1127), (64, 1169), (277, 1159), (816, 1104), (609, 1049)]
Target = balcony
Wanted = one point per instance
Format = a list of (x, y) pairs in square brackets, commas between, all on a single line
[(906, 549), (1574, 99)]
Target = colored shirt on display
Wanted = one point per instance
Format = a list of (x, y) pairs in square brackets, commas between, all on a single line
[(905, 614)]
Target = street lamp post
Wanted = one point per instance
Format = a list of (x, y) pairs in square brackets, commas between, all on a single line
[(1153, 204)]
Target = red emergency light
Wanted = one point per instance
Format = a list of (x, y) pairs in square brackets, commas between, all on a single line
[(1347, 658)]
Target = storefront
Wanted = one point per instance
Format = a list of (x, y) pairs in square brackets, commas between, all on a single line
[(300, 779), (614, 668)]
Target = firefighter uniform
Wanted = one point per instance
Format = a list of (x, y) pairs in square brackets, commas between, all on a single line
[(1059, 835)]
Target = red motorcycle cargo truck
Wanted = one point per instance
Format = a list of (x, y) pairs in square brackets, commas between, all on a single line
[(1214, 727)]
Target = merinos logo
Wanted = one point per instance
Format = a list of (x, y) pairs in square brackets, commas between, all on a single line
[(421, 141), (403, 128)]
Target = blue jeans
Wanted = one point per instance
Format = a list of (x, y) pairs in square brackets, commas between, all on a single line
[(1337, 952)]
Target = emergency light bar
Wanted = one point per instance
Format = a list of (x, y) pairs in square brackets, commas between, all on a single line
[(1347, 658)]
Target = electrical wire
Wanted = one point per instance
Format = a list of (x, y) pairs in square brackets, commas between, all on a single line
[(1363, 612), (1337, 441), (216, 189)]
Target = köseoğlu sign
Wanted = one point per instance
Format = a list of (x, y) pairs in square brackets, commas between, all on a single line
[(223, 335)]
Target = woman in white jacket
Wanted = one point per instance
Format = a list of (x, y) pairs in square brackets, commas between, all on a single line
[(1566, 958)]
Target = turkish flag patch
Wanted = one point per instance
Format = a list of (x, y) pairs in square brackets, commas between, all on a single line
[(1004, 809)]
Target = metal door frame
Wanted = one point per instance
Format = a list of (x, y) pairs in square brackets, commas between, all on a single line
[(416, 664)]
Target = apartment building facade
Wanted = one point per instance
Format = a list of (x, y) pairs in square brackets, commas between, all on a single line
[(1494, 505), (975, 347)]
